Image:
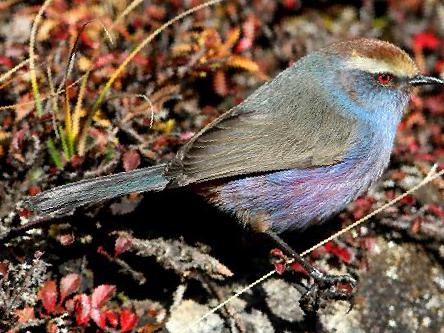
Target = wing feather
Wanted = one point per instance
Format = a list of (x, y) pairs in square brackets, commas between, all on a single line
[(282, 125)]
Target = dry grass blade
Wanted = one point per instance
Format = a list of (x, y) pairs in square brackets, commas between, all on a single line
[(9, 73), (146, 98), (68, 124), (72, 119), (78, 109), (6, 75), (431, 176), (54, 103), (128, 59), (73, 51), (127, 10), (35, 87), (54, 94), (151, 107), (42, 98)]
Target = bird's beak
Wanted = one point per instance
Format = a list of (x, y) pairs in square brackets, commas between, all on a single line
[(420, 80)]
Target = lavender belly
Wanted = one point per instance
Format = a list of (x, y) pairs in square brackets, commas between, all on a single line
[(293, 199)]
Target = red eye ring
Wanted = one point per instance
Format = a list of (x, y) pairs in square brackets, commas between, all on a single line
[(384, 79)]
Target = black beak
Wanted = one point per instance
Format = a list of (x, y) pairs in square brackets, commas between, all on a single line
[(420, 80)]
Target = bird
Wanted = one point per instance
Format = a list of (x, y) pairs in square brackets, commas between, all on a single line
[(296, 151)]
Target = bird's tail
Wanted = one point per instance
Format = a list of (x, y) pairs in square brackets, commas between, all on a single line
[(65, 198)]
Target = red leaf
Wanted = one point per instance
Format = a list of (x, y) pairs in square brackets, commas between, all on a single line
[(66, 239), (34, 190), (25, 314), (220, 83), (243, 45), (435, 209), (280, 267), (104, 60), (340, 252), (5, 61), (98, 317), (19, 137), (416, 225), (76, 161), (185, 136), (25, 213), (291, 4), (83, 309), (141, 60), (156, 12), (68, 285), (408, 200), (426, 40), (102, 294), (128, 320), (48, 295), (70, 305), (297, 267), (122, 245), (86, 39), (102, 251), (279, 260), (4, 268), (439, 66), (131, 160), (52, 327), (111, 318)]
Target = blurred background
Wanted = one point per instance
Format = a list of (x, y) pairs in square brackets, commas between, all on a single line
[(156, 262)]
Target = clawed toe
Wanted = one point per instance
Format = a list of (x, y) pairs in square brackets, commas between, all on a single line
[(327, 281), (324, 286), (328, 287)]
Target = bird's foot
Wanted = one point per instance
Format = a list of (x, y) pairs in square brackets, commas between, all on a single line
[(328, 287), (323, 286)]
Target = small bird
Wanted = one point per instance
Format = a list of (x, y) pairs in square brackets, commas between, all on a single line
[(297, 150)]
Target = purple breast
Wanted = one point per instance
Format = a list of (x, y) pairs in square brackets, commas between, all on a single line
[(293, 199)]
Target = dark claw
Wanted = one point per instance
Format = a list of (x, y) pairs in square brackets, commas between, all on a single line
[(325, 287)]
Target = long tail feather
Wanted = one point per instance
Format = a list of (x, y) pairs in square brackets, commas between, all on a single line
[(65, 198)]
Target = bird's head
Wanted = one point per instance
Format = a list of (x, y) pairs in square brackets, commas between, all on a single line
[(373, 75)]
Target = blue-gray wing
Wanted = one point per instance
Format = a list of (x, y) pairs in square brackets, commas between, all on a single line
[(285, 124)]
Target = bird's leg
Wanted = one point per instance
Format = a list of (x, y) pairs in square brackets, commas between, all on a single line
[(325, 286)]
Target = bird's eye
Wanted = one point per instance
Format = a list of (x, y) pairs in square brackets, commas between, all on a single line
[(384, 79)]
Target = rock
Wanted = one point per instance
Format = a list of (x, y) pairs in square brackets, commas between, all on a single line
[(189, 311), (402, 291), (283, 300), (256, 322), (336, 318)]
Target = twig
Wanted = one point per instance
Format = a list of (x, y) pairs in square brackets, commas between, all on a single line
[(34, 224), (125, 267), (175, 255), (230, 312), (104, 168)]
